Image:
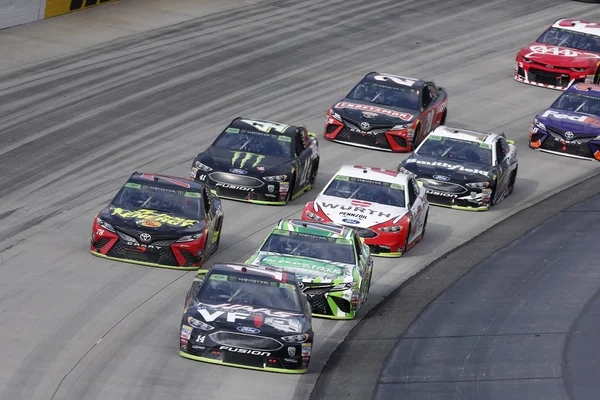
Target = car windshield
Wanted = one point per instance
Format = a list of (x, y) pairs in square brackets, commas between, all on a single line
[(395, 96), (251, 290), (255, 142), (571, 39), (456, 149), (347, 187), (136, 196), (312, 246), (578, 102)]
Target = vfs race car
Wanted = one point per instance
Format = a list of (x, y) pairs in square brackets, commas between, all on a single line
[(464, 169), (387, 112), (159, 221), (566, 53), (571, 126), (247, 316), (387, 208), (260, 162), (332, 263)]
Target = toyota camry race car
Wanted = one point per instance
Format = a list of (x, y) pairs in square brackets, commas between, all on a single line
[(332, 263), (388, 208), (464, 169), (387, 112), (259, 161), (250, 317), (571, 126), (567, 52), (160, 221)]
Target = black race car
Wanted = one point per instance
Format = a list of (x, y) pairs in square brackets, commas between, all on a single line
[(387, 112), (464, 169), (161, 221), (247, 316), (259, 161)]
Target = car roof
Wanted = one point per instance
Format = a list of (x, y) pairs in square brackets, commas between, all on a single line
[(373, 173), (276, 274), (576, 25), (166, 180), (416, 82), (465, 134), (587, 88), (263, 125), (316, 228)]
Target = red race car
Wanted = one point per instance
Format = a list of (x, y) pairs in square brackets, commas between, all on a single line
[(387, 112), (566, 53)]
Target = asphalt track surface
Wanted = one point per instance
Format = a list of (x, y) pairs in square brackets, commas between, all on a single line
[(72, 130)]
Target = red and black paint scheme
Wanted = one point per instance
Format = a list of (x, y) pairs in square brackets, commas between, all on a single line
[(247, 316), (387, 112), (159, 221)]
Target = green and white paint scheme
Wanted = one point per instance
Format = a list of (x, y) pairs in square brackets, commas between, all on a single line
[(335, 289)]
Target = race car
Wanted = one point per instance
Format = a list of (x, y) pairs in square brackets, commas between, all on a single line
[(571, 126), (387, 112), (332, 263), (388, 208), (247, 316), (160, 221), (463, 169), (566, 53), (258, 161)]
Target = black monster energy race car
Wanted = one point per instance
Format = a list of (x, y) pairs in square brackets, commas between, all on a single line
[(259, 161), (247, 316)]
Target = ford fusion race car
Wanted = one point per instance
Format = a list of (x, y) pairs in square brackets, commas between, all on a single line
[(160, 221), (387, 112), (567, 52), (259, 161), (250, 317), (571, 126), (464, 169), (388, 208), (333, 264)]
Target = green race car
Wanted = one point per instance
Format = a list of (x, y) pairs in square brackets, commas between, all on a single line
[(332, 263)]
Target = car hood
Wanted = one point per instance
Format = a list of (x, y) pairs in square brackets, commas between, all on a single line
[(361, 111), (447, 170), (247, 319), (150, 221), (558, 56), (570, 121), (241, 162), (307, 269), (356, 213)]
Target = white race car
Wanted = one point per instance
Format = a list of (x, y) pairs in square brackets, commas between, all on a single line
[(388, 208)]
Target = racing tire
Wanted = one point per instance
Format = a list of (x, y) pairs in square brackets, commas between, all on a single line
[(368, 287), (511, 182), (405, 247), (443, 120), (291, 192), (424, 226), (313, 173), (492, 198), (416, 137), (219, 236)]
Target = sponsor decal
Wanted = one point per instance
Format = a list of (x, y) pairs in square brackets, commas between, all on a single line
[(306, 349), (198, 347), (200, 339), (441, 178), (452, 167), (236, 187), (266, 126), (186, 332), (291, 360), (271, 188), (151, 224), (379, 110), (152, 215), (291, 351), (558, 51), (58, 7), (145, 237), (365, 126), (369, 115), (351, 221), (248, 329), (245, 158), (356, 209), (231, 316), (352, 215), (575, 118), (240, 307), (260, 168), (238, 171), (441, 194), (569, 135), (245, 351), (300, 263), (399, 80)]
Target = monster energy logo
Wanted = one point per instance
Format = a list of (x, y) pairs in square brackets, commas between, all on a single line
[(247, 157)]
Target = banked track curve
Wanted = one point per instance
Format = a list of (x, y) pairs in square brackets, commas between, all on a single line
[(73, 128)]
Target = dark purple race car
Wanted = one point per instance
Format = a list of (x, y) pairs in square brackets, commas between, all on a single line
[(571, 126)]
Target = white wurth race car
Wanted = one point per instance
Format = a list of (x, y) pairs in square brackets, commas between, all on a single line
[(388, 208)]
